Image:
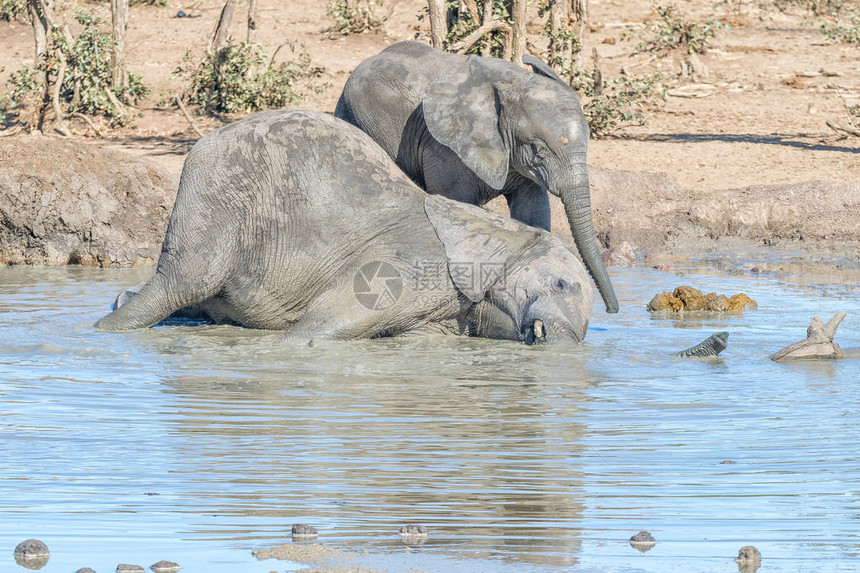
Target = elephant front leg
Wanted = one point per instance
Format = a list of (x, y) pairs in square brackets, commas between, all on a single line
[(340, 319), (530, 204)]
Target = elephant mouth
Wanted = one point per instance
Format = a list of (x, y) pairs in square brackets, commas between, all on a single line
[(536, 332)]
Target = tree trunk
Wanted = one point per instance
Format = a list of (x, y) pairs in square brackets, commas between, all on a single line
[(579, 11), (252, 20), (558, 22), (471, 7), (219, 39), (519, 17), (41, 24), (119, 20), (487, 18), (438, 23), (42, 19)]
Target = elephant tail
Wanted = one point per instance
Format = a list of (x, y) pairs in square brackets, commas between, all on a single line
[(148, 307)]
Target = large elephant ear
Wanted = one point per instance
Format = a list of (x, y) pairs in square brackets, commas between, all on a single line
[(480, 246), (461, 110)]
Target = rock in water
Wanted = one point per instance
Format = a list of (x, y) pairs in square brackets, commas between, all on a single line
[(413, 530), (643, 541), (687, 298), (304, 530), (711, 346), (126, 568), (32, 554), (818, 344), (748, 559), (165, 567), (413, 534)]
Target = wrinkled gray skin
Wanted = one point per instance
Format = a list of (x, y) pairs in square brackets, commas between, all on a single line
[(711, 346), (276, 214), (473, 128)]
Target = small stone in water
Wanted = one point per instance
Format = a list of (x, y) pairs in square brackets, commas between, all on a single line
[(643, 541), (413, 530), (126, 568), (32, 554), (85, 570), (304, 530), (748, 554), (165, 567), (31, 548)]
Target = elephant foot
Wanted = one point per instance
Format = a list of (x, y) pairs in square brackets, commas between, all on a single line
[(711, 346), (124, 297), (818, 344)]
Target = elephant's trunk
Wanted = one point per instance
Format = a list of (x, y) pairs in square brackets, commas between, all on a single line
[(575, 194)]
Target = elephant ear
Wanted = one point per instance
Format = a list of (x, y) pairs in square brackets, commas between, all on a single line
[(541, 68), (480, 246), (461, 110)]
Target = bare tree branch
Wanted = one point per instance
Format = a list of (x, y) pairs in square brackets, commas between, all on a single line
[(88, 122), (488, 17), (55, 96), (187, 115), (462, 46), (252, 20), (519, 36), (438, 23), (119, 25), (223, 28)]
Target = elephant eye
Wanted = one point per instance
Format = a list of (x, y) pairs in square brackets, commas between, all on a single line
[(538, 147)]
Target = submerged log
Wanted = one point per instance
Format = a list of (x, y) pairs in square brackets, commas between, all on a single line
[(818, 344)]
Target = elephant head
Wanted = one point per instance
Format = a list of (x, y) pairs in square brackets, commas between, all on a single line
[(498, 117), (524, 283)]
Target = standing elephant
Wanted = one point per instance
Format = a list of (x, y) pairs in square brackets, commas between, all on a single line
[(473, 128), (298, 221)]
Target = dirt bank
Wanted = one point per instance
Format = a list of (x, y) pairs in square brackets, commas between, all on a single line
[(66, 202), (63, 202)]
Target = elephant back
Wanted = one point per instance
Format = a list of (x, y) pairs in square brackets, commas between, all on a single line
[(385, 89)]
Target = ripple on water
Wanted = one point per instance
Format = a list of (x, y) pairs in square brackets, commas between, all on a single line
[(208, 441)]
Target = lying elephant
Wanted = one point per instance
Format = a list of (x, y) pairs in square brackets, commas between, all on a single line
[(298, 221), (473, 128)]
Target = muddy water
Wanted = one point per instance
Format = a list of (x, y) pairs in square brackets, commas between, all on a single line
[(200, 444)]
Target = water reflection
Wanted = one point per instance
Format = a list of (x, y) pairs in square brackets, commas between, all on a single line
[(369, 436)]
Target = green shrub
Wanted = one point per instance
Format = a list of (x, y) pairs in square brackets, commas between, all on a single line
[(831, 8), (12, 9), (241, 77), (462, 23), (353, 16), (620, 100), (88, 76), (564, 45), (673, 31), (90, 73), (842, 31), (24, 86)]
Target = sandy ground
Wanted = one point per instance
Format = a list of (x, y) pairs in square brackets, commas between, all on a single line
[(772, 82), (763, 122)]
